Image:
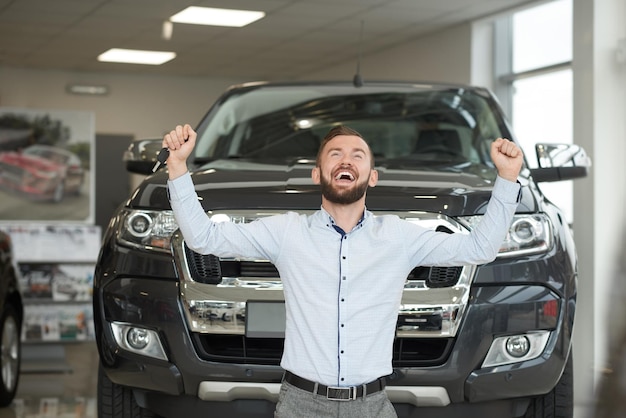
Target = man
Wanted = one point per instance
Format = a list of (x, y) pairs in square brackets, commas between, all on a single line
[(343, 269)]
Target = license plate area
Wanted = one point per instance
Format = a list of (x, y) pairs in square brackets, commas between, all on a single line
[(265, 319)]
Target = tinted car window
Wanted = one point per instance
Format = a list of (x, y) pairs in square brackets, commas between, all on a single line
[(404, 128)]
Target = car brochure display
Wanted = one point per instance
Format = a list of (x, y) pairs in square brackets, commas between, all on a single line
[(56, 265)]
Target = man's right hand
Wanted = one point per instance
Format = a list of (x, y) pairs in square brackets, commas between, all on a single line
[(180, 142)]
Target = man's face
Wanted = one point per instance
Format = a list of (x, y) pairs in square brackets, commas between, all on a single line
[(344, 170)]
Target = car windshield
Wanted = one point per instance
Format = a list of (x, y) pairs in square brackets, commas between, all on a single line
[(404, 126)]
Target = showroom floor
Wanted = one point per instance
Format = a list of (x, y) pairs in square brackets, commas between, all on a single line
[(57, 381)]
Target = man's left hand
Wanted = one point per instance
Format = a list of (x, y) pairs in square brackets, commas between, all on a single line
[(507, 157)]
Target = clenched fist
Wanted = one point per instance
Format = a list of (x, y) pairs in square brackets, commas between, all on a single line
[(180, 141), (507, 157)]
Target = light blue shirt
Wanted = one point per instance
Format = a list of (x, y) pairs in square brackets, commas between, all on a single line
[(342, 290)]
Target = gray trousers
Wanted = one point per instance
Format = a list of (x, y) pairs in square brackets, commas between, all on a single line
[(294, 402)]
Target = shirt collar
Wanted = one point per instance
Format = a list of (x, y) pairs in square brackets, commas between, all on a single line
[(328, 220)]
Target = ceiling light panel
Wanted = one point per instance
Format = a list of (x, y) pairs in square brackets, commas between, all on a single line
[(136, 56), (216, 17)]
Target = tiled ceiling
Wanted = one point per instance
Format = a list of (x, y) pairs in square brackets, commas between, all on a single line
[(295, 37)]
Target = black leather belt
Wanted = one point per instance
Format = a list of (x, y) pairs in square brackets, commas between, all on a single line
[(342, 393)]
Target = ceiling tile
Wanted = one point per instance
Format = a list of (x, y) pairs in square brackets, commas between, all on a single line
[(295, 36)]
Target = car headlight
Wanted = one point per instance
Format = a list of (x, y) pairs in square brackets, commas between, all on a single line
[(147, 229), (528, 234)]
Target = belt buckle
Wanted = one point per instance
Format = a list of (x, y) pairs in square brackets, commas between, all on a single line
[(337, 393)]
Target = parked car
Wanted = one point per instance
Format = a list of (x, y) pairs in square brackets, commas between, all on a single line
[(42, 172), (183, 334), (11, 316)]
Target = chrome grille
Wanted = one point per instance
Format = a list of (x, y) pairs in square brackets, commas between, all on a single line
[(210, 269)]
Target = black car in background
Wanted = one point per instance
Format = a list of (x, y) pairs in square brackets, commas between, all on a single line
[(11, 316), (183, 334)]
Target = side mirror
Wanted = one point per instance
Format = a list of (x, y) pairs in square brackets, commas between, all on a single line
[(141, 155), (559, 162)]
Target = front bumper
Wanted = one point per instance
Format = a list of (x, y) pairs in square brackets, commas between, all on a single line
[(493, 310)]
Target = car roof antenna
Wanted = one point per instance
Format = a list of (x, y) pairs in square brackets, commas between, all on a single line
[(358, 80)]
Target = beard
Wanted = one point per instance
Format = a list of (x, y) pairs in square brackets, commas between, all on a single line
[(342, 196)]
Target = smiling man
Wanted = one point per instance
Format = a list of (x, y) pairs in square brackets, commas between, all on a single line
[(343, 269), (344, 170)]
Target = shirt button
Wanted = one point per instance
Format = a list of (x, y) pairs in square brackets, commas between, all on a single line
[(343, 300), (342, 379), (341, 325), (344, 257), (343, 278)]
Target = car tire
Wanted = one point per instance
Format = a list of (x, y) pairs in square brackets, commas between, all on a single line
[(10, 354), (115, 401), (59, 192), (558, 403)]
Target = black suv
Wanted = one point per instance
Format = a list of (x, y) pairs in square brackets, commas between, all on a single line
[(183, 334), (11, 319)]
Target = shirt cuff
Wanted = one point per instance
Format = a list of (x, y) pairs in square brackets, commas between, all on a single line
[(507, 191), (181, 187)]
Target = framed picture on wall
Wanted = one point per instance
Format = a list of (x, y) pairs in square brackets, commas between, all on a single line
[(46, 165)]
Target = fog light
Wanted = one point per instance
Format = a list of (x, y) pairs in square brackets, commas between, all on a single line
[(138, 340), (518, 346)]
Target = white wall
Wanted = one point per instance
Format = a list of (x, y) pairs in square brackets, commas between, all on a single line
[(140, 105), (441, 56)]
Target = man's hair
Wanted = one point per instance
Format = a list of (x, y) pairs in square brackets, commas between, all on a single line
[(341, 130)]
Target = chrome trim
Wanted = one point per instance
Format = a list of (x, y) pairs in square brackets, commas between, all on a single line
[(434, 396), (257, 283), (448, 304), (154, 347), (220, 309)]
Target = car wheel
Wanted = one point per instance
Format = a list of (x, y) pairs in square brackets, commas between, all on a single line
[(10, 354), (560, 401), (115, 401), (59, 191)]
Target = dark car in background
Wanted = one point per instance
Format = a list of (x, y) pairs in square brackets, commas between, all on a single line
[(42, 172), (184, 334), (11, 318)]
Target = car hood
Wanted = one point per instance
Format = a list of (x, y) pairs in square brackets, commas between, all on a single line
[(28, 162), (244, 185)]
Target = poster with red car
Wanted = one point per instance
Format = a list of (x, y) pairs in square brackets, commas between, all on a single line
[(46, 165)]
